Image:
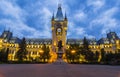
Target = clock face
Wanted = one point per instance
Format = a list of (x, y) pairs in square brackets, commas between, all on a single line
[(59, 30)]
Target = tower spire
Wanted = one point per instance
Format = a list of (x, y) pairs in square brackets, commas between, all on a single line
[(53, 16), (59, 15), (59, 3), (65, 16)]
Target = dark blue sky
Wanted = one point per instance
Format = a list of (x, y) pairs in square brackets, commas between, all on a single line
[(32, 18)]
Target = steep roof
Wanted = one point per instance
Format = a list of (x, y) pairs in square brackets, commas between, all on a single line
[(59, 15)]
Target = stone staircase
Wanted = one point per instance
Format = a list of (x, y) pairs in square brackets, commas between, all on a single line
[(59, 62)]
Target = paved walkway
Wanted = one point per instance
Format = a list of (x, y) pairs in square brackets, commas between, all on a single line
[(58, 70)]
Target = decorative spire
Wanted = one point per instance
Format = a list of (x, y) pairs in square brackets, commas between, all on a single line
[(59, 5), (4, 29), (65, 16), (9, 29), (59, 15), (53, 16)]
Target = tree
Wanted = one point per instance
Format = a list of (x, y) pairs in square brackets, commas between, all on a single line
[(4, 55), (73, 57), (46, 53), (112, 58), (90, 56), (22, 52), (109, 57), (103, 54), (68, 55), (96, 56), (85, 48), (86, 51), (85, 44)]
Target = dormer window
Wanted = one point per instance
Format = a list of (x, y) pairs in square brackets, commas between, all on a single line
[(4, 35)]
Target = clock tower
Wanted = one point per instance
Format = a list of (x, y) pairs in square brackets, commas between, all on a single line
[(59, 31)]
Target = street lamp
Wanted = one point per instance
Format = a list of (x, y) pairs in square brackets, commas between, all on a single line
[(73, 51), (41, 51)]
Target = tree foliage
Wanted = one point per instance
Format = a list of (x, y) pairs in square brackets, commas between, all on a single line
[(83, 50), (46, 53), (22, 52), (73, 57), (103, 54), (89, 55), (4, 55)]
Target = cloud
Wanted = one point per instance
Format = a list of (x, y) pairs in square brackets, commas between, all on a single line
[(17, 18), (11, 10), (80, 16), (18, 29), (96, 4), (106, 20), (75, 30), (80, 31), (31, 21), (85, 17)]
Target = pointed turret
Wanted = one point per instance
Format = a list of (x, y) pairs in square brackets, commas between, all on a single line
[(65, 16), (53, 17), (59, 15)]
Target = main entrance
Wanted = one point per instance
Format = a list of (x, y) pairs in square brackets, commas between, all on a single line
[(60, 50)]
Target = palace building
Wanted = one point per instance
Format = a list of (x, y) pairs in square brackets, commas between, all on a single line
[(59, 42)]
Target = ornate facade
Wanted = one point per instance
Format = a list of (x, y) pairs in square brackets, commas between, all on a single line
[(59, 31)]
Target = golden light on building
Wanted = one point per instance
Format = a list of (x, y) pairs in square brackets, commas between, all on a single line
[(52, 28), (53, 57), (73, 51), (54, 43), (41, 51), (65, 28), (59, 35)]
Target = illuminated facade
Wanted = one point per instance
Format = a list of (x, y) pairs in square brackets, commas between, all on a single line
[(59, 31)]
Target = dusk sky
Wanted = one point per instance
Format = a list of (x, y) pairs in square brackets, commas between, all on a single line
[(32, 18)]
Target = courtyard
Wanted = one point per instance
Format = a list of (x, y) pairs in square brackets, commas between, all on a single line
[(58, 69)]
